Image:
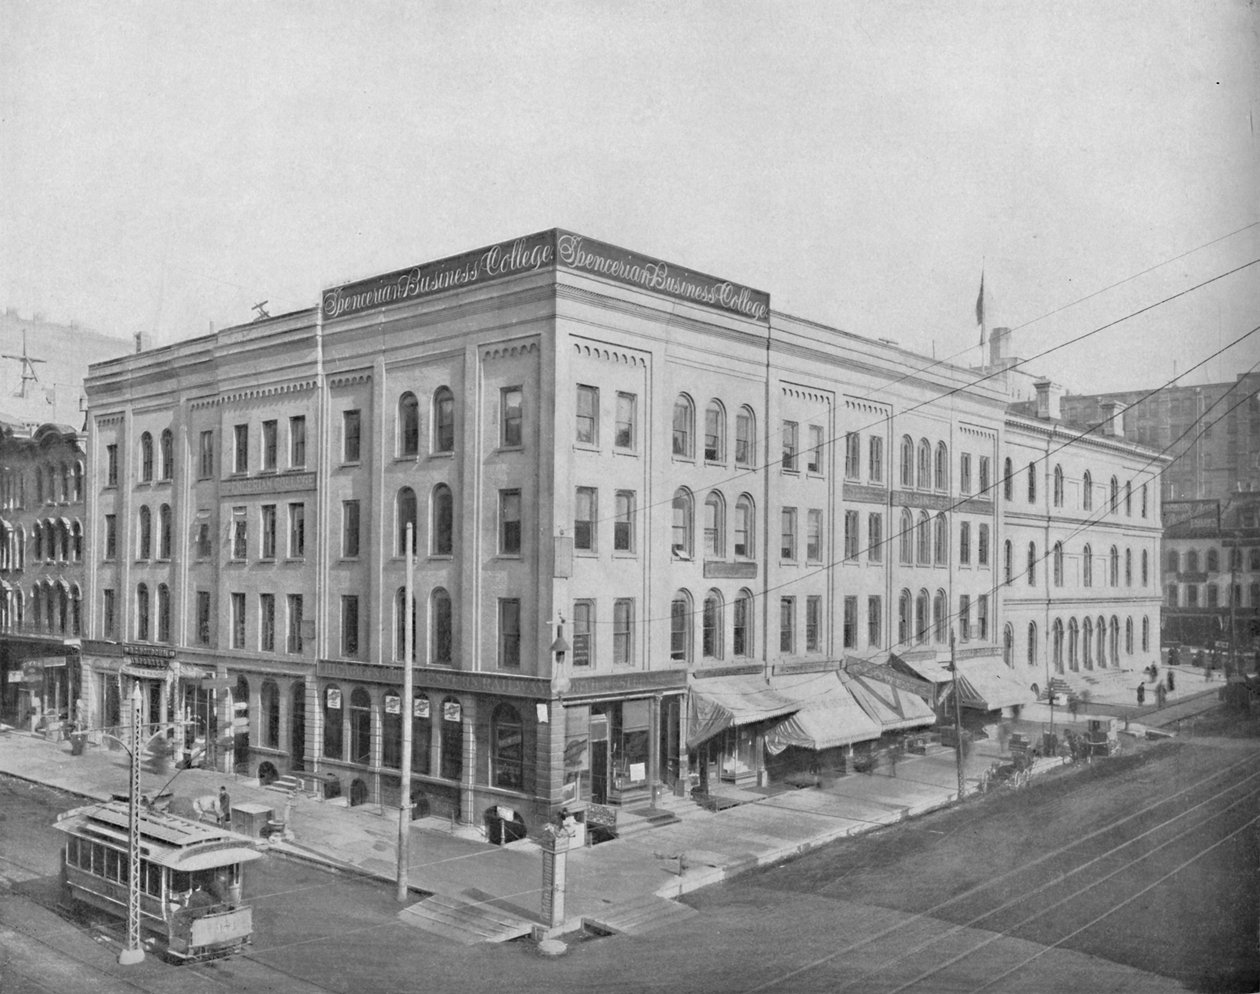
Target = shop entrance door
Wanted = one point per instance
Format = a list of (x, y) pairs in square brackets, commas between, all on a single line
[(599, 758), (297, 745), (668, 745)]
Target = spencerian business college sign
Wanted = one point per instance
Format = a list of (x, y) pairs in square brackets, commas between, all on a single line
[(545, 250)]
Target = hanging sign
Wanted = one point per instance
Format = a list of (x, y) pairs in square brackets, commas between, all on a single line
[(451, 711), (393, 704), (333, 697), (420, 708)]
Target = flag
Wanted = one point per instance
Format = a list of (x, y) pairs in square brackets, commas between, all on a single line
[(980, 308)]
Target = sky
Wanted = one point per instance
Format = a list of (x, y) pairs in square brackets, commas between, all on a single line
[(164, 166)]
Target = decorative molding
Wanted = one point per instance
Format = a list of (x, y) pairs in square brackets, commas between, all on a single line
[(868, 407), (812, 395), (864, 493), (349, 379), (753, 669), (259, 392), (607, 354), (805, 666), (913, 498), (986, 433), (627, 683), (717, 569), (501, 684), (281, 483), (104, 420), (509, 350)]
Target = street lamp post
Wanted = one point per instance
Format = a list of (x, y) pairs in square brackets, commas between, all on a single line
[(132, 952)]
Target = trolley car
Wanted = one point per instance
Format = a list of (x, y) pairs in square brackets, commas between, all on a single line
[(190, 877)]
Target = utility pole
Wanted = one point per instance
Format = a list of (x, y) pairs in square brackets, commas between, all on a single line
[(1233, 606), (958, 732), (132, 952), (404, 799)]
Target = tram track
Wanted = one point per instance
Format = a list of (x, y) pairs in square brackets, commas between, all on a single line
[(1006, 879)]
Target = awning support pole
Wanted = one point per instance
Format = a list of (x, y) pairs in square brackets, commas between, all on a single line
[(958, 742)]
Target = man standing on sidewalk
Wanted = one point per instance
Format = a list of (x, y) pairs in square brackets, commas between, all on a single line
[(225, 807)]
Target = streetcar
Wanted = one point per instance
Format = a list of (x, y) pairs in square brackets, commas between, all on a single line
[(190, 878)]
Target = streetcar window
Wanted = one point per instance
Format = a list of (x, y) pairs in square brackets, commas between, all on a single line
[(72, 851), (181, 882), (111, 864), (152, 879), (98, 859), (85, 854), (124, 867)]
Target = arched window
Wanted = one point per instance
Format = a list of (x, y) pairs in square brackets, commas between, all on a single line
[(907, 536), (391, 729), (1057, 562), (1087, 492), (1144, 500), (1056, 646), (408, 425), (711, 637), (1074, 659), (1213, 561), (452, 738), (1192, 561), (907, 461), (421, 734), (1008, 645), (1087, 566), (168, 454), (441, 626), (269, 701), (1008, 479), (163, 613), (164, 531), (1115, 495), (745, 437), (904, 607), (684, 427), (142, 613), (745, 522), (443, 525), (1032, 483), (1114, 646), (1058, 486), (63, 607), (37, 537), (400, 625), (66, 486), (507, 748), (360, 727), (940, 616), (1032, 564), (76, 610), (1128, 567), (1008, 563), (680, 627), (443, 420), (1087, 643), (333, 733), (715, 432), (942, 466), (78, 481), (146, 532), (1146, 568), (1146, 634), (404, 515), (1032, 643), (714, 526), (924, 533), (1102, 641), (922, 617), (742, 631), (680, 539), (1128, 499), (76, 541), (1114, 560), (925, 464), (146, 459), (1128, 636), (941, 544)]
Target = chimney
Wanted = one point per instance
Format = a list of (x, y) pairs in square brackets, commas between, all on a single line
[(1048, 397), (999, 341), (1112, 418), (143, 341)]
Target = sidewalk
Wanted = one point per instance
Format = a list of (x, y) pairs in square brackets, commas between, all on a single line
[(713, 846)]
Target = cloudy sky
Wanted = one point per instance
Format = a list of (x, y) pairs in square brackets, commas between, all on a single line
[(163, 166)]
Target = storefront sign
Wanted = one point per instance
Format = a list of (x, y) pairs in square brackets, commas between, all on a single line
[(393, 704), (451, 711), (420, 708)]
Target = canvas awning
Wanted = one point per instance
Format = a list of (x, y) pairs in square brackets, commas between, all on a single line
[(987, 684), (890, 706), (835, 719), (925, 668), (718, 703)]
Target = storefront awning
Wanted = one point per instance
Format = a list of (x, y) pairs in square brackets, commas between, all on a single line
[(835, 719), (717, 703), (925, 668), (890, 706), (987, 684)]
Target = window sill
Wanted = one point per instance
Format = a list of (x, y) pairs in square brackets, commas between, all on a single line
[(625, 554), (351, 463), (510, 448), (507, 556), (586, 447)]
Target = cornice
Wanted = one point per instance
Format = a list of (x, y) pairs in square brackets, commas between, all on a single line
[(611, 354)]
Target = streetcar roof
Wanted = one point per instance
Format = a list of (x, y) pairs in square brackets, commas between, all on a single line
[(165, 839)]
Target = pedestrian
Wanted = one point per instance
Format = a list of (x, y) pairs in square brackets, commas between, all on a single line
[(1161, 695), (1207, 673), (1173, 657), (1154, 673), (1171, 682), (225, 807), (1141, 694)]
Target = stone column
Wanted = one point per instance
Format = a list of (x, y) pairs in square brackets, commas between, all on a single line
[(555, 851), (468, 781), (654, 747), (284, 690)]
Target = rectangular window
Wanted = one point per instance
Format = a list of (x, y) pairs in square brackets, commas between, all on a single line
[(850, 622), (350, 529), (351, 435), (203, 617), (813, 624), (268, 531), (787, 624), (510, 633), (851, 534), (204, 545), (349, 625), (964, 543), (982, 546), (813, 535), (875, 537), (787, 545), (510, 407), (510, 522), (875, 463), (297, 531), (240, 533), (267, 622), (627, 404), (587, 415), (297, 441), (205, 456), (269, 435), (743, 438), (982, 617), (583, 632), (814, 463), (295, 623), (240, 449), (852, 456), (111, 536), (874, 621), (585, 511), (790, 443), (238, 621), (623, 522), (111, 464), (984, 475), (964, 617), (964, 473), (623, 630), (110, 614)]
